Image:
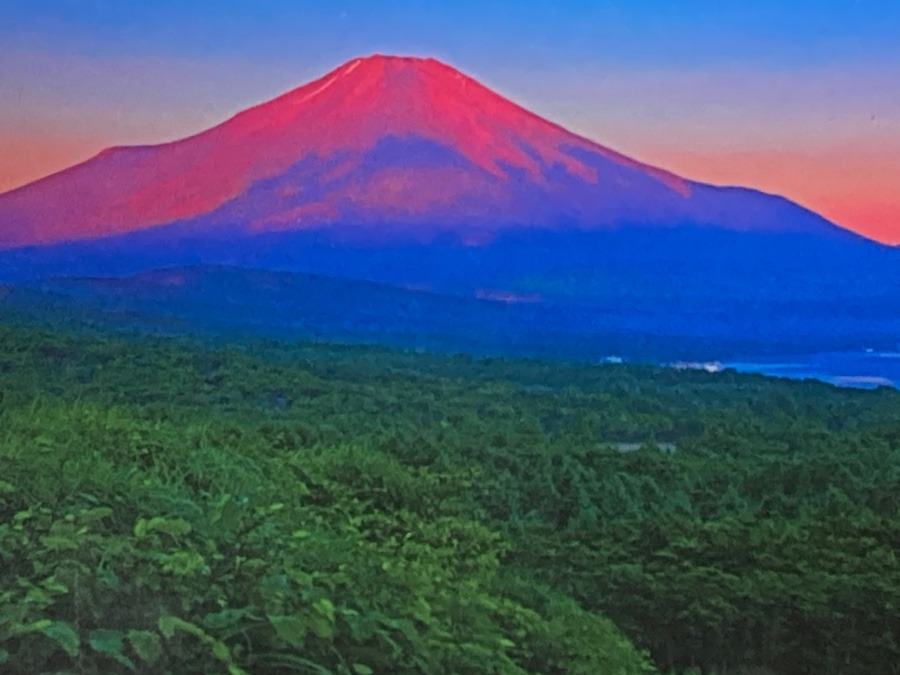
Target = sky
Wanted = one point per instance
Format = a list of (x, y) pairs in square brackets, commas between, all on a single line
[(800, 98)]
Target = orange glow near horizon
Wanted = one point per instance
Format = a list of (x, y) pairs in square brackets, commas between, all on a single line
[(852, 188), (25, 158)]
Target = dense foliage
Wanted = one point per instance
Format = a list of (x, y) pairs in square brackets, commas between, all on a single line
[(175, 507)]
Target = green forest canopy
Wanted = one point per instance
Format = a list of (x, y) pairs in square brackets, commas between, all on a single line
[(262, 507)]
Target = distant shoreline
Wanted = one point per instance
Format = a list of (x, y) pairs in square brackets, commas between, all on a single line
[(860, 370)]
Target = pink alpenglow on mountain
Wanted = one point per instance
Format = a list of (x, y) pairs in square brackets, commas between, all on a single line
[(389, 144)]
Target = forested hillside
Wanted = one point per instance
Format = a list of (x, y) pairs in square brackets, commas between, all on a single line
[(259, 507)]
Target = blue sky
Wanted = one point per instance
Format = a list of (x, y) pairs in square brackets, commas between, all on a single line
[(687, 32)]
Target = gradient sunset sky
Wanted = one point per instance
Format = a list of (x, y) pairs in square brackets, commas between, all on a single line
[(800, 99)]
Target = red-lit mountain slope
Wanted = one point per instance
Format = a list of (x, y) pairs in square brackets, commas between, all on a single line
[(380, 141)]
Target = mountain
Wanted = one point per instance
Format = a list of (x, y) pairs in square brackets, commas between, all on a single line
[(394, 147), (420, 208)]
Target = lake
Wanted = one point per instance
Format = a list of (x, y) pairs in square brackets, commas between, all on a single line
[(866, 369)]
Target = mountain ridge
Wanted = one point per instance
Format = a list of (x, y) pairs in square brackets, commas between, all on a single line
[(222, 299)]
